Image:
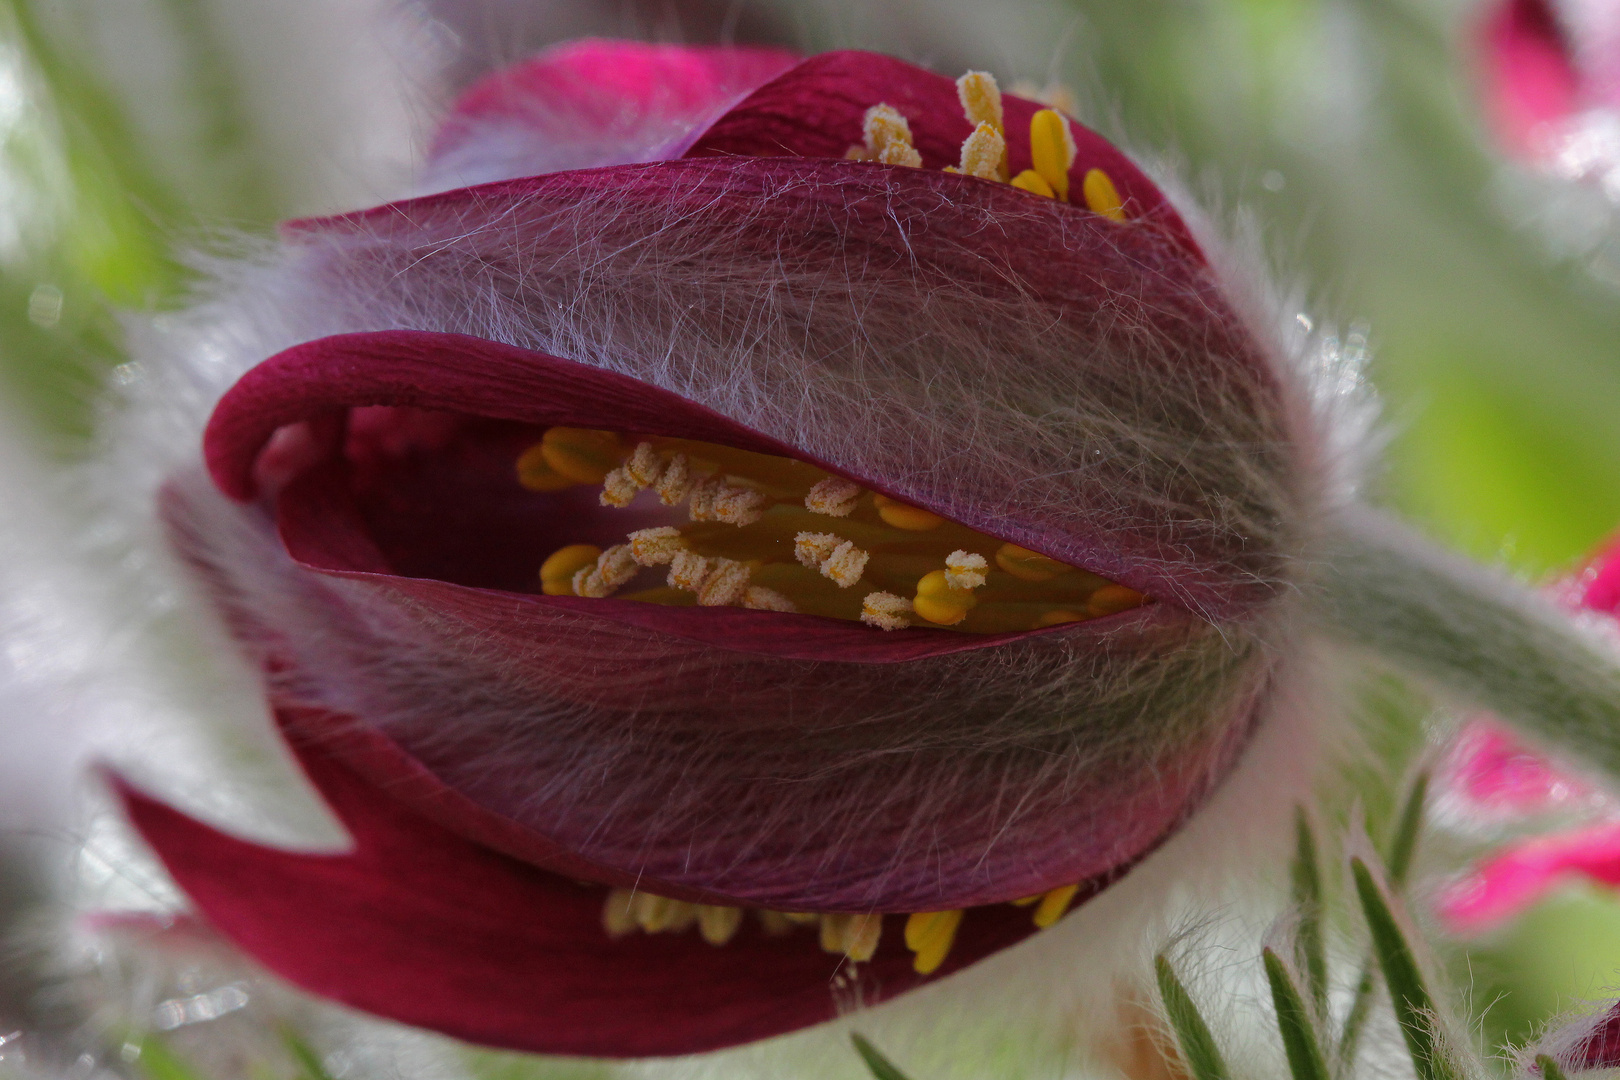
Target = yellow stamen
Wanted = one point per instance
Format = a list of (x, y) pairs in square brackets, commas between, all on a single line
[(644, 466), (885, 611), (1029, 180), (1112, 599), (1054, 904), (675, 484), (618, 488), (617, 565), (888, 137), (1101, 195), (660, 914), (861, 936), (904, 516), (1052, 150), (725, 584), (583, 455), (813, 549), (619, 912), (930, 935), (557, 572), (656, 547), (965, 569), (738, 506), (1058, 618), (845, 564), (834, 496), (983, 153), (833, 928), (687, 570), (718, 925), (981, 99), (941, 603), (1028, 900), (535, 475), (760, 598), (700, 504), (1027, 565)]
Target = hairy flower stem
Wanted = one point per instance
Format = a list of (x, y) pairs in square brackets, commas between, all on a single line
[(1474, 633)]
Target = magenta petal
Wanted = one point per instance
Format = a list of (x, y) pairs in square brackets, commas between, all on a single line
[(588, 103), (1532, 83), (817, 109), (421, 926), (1522, 874)]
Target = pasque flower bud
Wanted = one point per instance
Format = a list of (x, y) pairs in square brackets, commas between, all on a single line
[(840, 523)]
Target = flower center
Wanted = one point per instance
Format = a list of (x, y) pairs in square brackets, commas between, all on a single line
[(774, 534)]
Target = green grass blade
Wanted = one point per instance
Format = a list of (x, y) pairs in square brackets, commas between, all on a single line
[(1403, 845), (1550, 1069), (158, 1062), (1356, 1019), (881, 1067), (1308, 941), (304, 1055), (1305, 1059), (1414, 1008), (1204, 1059)]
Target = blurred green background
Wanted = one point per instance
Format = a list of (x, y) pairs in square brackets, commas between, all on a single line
[(1350, 130)]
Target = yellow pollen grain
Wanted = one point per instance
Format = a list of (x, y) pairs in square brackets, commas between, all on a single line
[(834, 497), (619, 488), (725, 584), (1052, 150), (644, 466), (940, 602), (557, 572), (535, 475), (930, 935), (813, 549), (888, 137), (981, 99), (656, 547), (675, 484), (1101, 195), (904, 516), (1029, 180), (845, 565), (718, 925), (617, 565), (588, 582), (1027, 565), (1112, 599), (583, 455), (965, 569), (700, 504), (983, 152), (886, 611), (738, 506), (687, 570), (1053, 904), (760, 598), (619, 912)]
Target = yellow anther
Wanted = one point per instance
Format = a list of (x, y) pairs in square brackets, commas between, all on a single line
[(535, 475), (687, 570), (930, 935), (588, 582), (583, 455), (644, 466), (903, 516), (965, 569), (1054, 904), (1102, 197), (619, 488), (813, 549), (656, 547), (1029, 180), (1059, 618), (1028, 900), (983, 153), (760, 598), (619, 912), (718, 925), (1112, 599), (845, 565), (658, 914), (675, 484), (557, 572), (738, 506), (939, 602), (1052, 150), (832, 932), (886, 611), (981, 99), (1027, 565), (700, 504), (861, 936), (834, 496), (617, 565), (726, 583), (888, 137)]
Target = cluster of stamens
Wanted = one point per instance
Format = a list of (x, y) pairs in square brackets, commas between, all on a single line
[(774, 534), (928, 934), (888, 140)]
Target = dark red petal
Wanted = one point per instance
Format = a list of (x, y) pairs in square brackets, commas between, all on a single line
[(1601, 1048), (817, 110), (593, 102), (422, 926), (1531, 81)]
